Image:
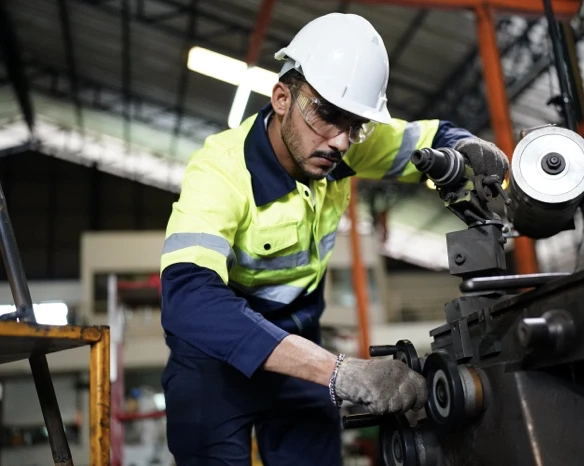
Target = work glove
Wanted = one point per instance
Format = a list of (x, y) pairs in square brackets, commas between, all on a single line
[(484, 157), (384, 386)]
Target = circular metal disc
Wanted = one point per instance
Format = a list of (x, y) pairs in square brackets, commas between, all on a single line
[(532, 179)]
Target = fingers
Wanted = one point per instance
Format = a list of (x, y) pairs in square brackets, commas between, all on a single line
[(412, 394), (421, 388), (407, 395)]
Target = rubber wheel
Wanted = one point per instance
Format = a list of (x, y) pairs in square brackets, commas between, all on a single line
[(397, 442), (446, 404)]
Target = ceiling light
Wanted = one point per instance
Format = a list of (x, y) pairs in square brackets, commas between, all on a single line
[(230, 70)]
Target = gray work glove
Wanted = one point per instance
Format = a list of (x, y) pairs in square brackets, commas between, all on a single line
[(484, 157), (384, 386)]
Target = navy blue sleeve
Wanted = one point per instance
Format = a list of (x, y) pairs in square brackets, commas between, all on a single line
[(201, 311), (448, 135)]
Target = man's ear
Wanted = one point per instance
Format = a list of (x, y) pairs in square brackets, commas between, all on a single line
[(281, 99)]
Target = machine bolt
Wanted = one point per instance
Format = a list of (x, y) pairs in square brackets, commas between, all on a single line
[(553, 163), (441, 394), (459, 259)]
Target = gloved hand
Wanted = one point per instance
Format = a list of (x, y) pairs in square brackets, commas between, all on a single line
[(383, 385), (484, 157)]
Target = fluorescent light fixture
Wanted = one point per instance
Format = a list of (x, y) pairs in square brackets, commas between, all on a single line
[(50, 313), (238, 105), (230, 70)]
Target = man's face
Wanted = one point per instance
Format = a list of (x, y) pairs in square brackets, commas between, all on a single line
[(316, 133)]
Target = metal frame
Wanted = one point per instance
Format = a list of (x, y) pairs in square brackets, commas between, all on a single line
[(463, 100), (563, 8)]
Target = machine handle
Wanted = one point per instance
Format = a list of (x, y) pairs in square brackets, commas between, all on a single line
[(508, 282), (358, 421), (382, 350)]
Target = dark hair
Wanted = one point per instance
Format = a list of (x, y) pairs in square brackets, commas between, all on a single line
[(328, 112), (293, 78)]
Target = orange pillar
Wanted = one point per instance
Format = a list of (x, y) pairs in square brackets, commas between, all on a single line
[(524, 252), (359, 273), (259, 32)]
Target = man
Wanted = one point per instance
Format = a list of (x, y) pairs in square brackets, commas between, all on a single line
[(246, 252)]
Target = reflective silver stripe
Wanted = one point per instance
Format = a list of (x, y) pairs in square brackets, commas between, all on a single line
[(290, 261), (284, 294), (178, 241), (327, 243), (410, 140), (298, 259)]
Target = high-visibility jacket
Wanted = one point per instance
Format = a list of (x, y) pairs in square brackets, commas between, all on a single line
[(247, 246)]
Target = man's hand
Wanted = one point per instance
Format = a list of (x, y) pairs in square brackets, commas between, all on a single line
[(382, 385), (484, 157)]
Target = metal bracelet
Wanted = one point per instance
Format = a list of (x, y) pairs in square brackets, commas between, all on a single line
[(336, 401)]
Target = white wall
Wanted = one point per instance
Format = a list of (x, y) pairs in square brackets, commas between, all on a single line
[(105, 252)]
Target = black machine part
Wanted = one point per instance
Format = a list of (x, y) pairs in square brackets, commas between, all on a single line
[(464, 193), (405, 445), (455, 392), (403, 351), (546, 182), (554, 331), (477, 251), (445, 167)]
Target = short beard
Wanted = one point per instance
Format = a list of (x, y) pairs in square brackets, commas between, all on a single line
[(294, 145)]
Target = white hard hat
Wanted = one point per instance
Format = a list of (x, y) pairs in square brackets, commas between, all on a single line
[(344, 59)]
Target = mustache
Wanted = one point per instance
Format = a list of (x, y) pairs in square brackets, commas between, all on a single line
[(334, 156)]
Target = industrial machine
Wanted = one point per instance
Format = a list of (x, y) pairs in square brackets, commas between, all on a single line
[(505, 374)]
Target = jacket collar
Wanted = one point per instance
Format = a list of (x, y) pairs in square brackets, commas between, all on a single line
[(269, 179)]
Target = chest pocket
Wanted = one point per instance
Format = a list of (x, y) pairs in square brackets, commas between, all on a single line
[(277, 248)]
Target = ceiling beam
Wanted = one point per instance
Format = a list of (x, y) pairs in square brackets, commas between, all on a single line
[(462, 100), (183, 83), (70, 59), (260, 31), (563, 8)]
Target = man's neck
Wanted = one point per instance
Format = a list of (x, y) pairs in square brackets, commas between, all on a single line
[(282, 153)]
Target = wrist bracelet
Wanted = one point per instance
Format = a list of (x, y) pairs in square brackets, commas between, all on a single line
[(336, 401)]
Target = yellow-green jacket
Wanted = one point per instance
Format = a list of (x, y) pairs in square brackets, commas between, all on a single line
[(247, 246)]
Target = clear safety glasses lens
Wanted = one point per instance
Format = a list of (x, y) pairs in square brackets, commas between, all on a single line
[(309, 109)]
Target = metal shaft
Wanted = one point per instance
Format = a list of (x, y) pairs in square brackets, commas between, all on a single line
[(508, 282), (13, 264), (38, 363)]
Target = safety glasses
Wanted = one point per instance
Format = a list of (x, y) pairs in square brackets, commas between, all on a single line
[(329, 121)]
